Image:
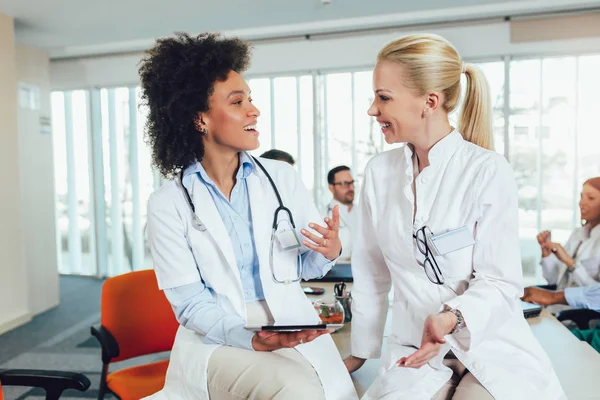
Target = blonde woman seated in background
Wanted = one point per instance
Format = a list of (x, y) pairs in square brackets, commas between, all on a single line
[(566, 266), (458, 331)]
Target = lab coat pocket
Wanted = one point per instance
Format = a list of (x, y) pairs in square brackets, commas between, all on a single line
[(457, 265)]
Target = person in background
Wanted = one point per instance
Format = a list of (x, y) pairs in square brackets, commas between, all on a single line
[(280, 155), (577, 297), (573, 265), (458, 331), (341, 186)]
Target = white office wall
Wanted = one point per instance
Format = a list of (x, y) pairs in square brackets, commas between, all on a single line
[(13, 272), (485, 40), (37, 177)]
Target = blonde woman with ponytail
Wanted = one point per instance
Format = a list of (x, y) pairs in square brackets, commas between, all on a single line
[(438, 220)]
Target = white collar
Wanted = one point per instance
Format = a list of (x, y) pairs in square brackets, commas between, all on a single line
[(440, 152), (593, 233), (343, 206)]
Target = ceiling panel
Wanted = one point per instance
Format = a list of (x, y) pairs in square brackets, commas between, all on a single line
[(72, 27)]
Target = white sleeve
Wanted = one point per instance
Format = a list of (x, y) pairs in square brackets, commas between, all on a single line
[(172, 257), (586, 271), (372, 280), (493, 293), (550, 268)]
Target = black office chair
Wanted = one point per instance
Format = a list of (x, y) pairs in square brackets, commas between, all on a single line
[(53, 382), (580, 316)]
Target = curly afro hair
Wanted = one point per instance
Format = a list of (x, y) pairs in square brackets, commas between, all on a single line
[(178, 77)]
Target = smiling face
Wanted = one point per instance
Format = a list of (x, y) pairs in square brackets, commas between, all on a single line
[(231, 119), (398, 109), (589, 204)]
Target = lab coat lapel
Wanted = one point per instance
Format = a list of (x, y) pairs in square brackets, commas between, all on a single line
[(261, 208), (283, 300), (289, 300), (210, 217)]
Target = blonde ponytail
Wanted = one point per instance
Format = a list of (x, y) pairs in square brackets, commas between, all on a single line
[(433, 65), (475, 122)]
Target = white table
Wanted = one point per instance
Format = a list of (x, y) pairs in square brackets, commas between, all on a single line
[(576, 363)]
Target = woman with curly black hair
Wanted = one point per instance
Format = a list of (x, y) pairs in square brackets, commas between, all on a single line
[(216, 258)]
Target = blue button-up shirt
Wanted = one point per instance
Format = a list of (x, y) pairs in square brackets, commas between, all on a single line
[(194, 304), (584, 297), (237, 219)]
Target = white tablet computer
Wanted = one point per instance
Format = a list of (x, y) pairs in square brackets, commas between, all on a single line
[(292, 328)]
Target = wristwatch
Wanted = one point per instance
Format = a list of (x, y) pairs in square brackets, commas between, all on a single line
[(460, 321)]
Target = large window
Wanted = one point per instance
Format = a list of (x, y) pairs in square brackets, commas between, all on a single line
[(550, 139), (495, 74), (103, 180), (343, 134), (75, 233), (543, 120), (286, 119)]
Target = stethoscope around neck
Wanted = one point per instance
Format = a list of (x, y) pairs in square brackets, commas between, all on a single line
[(199, 226)]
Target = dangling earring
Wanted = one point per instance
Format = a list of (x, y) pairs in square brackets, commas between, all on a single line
[(200, 128), (424, 113)]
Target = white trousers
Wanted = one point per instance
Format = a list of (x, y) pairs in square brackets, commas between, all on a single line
[(462, 385), (235, 374)]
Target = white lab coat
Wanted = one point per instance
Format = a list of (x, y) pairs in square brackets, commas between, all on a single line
[(464, 185), (587, 268), (183, 254), (346, 227)]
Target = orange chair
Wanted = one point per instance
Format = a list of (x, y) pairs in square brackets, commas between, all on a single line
[(136, 319), (53, 382)]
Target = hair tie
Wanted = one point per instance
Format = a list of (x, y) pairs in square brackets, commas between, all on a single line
[(464, 68)]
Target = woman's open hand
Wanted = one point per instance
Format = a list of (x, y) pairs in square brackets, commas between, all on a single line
[(436, 327), (328, 243)]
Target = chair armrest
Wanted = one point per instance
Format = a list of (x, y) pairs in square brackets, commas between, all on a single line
[(580, 316), (110, 347), (51, 381)]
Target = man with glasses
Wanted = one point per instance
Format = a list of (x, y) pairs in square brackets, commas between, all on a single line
[(341, 185)]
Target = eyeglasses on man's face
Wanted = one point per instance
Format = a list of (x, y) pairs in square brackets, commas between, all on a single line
[(343, 183), (432, 270)]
